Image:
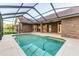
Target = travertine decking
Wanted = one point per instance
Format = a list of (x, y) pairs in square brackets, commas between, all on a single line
[(9, 47)]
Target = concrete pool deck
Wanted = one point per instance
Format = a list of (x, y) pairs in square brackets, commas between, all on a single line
[(9, 47)]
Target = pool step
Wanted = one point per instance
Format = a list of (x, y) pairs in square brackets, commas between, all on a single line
[(33, 50)]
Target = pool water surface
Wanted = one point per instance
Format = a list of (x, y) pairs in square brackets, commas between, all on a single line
[(35, 45)]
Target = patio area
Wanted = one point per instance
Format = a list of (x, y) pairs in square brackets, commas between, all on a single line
[(53, 20)]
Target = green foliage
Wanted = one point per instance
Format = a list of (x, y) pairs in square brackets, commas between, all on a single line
[(9, 29), (9, 33)]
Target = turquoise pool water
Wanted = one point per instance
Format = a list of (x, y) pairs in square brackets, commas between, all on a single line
[(35, 45)]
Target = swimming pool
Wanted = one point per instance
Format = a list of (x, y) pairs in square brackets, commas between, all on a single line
[(35, 45)]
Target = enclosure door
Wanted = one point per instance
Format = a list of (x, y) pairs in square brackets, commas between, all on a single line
[(1, 27)]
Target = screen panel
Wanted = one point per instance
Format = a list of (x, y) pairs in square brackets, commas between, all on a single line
[(11, 4), (43, 7), (33, 12), (23, 9), (8, 10), (62, 5), (27, 16), (29, 4)]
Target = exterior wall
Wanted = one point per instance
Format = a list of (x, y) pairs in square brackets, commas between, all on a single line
[(41, 27), (47, 27), (34, 28), (44, 28), (37, 28), (70, 27), (54, 27), (59, 27), (23, 28)]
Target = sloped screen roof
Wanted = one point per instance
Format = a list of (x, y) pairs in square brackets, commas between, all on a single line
[(36, 12)]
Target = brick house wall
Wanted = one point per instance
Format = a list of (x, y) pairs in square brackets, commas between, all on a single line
[(54, 27), (45, 27), (24, 27), (70, 27)]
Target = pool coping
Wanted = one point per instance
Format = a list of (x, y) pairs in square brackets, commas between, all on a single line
[(19, 48)]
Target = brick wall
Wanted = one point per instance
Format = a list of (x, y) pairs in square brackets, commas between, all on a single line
[(54, 27), (25, 28), (70, 27), (45, 27)]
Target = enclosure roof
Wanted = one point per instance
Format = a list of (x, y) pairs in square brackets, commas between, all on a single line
[(37, 12)]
